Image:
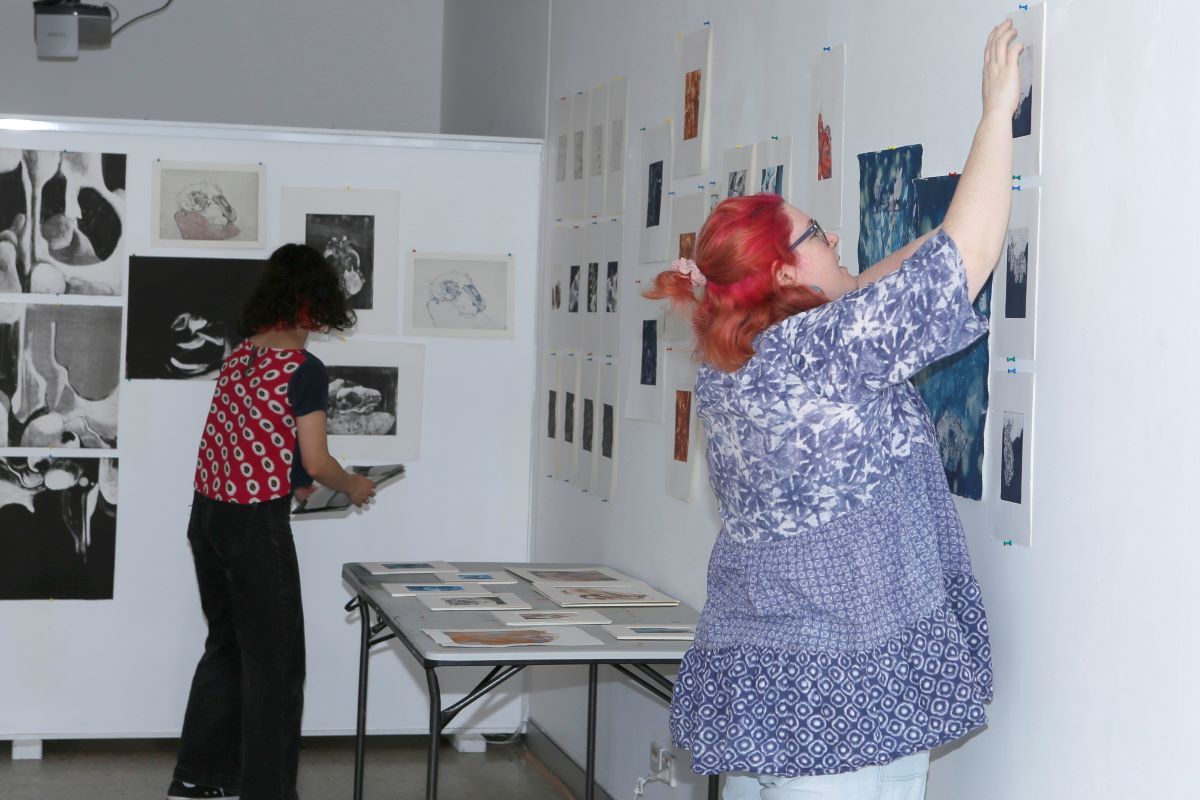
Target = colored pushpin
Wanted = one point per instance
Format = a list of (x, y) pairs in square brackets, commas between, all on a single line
[(1011, 359), (1012, 371), (826, 49), (1008, 542), (1023, 6)]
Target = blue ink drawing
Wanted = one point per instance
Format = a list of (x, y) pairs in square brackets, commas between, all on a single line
[(886, 202), (955, 388)]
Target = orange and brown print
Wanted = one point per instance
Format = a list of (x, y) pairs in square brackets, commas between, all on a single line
[(691, 105), (683, 418)]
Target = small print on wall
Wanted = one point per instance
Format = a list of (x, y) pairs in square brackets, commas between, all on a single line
[(375, 398), (693, 76), (357, 230), (77, 245), (208, 205), (59, 376), (656, 218), (1011, 437), (59, 517), (461, 294)]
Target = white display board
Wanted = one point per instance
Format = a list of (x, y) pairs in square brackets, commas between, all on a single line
[(122, 667)]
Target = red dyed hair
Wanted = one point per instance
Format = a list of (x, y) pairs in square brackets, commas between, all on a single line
[(739, 250)]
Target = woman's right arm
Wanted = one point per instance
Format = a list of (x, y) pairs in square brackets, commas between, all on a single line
[(324, 468), (978, 215)]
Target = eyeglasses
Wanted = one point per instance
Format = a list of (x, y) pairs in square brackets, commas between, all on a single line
[(814, 229)]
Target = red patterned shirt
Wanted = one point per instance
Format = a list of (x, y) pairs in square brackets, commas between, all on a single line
[(250, 451)]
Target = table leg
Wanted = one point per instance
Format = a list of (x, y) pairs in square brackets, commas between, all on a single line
[(714, 787), (435, 732), (364, 656), (589, 787)]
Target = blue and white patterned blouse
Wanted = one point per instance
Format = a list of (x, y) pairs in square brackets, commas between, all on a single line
[(843, 626)]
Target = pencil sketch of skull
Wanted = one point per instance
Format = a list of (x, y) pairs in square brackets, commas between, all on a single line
[(61, 222), (205, 213), (455, 302)]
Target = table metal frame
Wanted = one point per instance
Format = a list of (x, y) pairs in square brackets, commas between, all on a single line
[(640, 672)]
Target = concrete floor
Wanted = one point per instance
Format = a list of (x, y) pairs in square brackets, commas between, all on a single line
[(395, 770)]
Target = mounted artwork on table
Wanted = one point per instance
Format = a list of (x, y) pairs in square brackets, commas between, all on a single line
[(826, 162), (460, 294), (375, 398), (77, 245), (886, 202), (208, 205), (59, 517), (693, 69), (655, 214), (358, 232), (60, 372), (955, 389), (183, 316)]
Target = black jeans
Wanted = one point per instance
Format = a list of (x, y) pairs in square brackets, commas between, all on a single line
[(242, 727)]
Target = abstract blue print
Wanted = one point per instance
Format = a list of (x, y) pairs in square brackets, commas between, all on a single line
[(886, 202), (955, 389)]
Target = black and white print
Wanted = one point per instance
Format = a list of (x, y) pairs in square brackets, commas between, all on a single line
[(348, 243), (552, 415), (589, 423), (59, 376), (1022, 122), (577, 150), (606, 431), (654, 185), (569, 418), (62, 222), (1016, 273), (593, 287), (737, 183), (1012, 460), (597, 150), (183, 314), (649, 371), (59, 518), (573, 290), (362, 401), (560, 167), (610, 294)]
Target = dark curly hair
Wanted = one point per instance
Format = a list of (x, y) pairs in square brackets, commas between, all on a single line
[(298, 289)]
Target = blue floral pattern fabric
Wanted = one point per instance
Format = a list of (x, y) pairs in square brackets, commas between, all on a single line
[(843, 626)]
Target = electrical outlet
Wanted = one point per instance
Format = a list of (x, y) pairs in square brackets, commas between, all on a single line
[(662, 764)]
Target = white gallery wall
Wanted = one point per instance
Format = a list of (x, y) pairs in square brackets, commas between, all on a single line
[(365, 65), (1092, 630)]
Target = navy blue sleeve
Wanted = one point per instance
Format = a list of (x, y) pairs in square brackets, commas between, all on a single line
[(308, 389)]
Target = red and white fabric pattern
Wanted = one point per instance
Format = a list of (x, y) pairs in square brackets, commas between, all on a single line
[(249, 440)]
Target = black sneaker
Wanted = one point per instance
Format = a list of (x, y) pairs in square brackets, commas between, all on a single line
[(179, 790)]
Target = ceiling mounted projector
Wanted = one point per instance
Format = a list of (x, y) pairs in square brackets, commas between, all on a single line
[(61, 27)]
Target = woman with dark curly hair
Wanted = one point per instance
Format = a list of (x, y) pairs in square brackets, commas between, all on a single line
[(844, 634), (264, 443)]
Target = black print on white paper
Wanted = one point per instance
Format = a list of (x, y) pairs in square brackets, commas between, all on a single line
[(606, 431), (59, 518), (62, 222), (1022, 122), (560, 167), (362, 401), (649, 352), (654, 182), (569, 419), (610, 294), (184, 314), (59, 376), (578, 153), (1012, 466), (1016, 274), (552, 416), (593, 287), (737, 183), (348, 243), (573, 290), (589, 422), (597, 150)]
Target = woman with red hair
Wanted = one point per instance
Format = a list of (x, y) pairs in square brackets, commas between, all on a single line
[(844, 634)]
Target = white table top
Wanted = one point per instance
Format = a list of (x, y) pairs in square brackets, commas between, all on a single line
[(406, 617)]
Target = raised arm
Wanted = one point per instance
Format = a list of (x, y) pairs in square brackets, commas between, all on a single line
[(978, 215)]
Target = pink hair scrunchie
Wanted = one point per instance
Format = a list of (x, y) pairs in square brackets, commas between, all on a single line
[(685, 266)]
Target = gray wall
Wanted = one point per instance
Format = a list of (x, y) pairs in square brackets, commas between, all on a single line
[(362, 64), (494, 67)]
